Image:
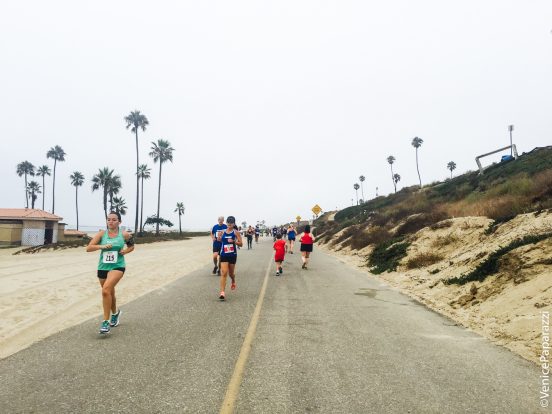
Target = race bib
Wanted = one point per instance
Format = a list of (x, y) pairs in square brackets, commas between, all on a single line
[(109, 257), (229, 248)]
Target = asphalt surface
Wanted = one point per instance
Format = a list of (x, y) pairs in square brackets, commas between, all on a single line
[(329, 339)]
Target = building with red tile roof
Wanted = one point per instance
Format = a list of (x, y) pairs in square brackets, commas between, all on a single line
[(29, 227)]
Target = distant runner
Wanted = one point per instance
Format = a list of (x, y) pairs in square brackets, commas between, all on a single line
[(280, 248), (111, 266), (257, 232), (274, 232), (291, 237), (230, 238), (249, 234), (216, 231), (306, 239)]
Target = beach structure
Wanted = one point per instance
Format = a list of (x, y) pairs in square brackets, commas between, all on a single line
[(29, 227)]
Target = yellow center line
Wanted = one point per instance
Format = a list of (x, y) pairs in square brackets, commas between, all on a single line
[(233, 388)]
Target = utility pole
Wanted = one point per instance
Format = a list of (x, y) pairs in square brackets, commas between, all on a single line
[(510, 129)]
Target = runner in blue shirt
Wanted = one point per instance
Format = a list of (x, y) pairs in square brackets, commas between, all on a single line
[(230, 239), (216, 232)]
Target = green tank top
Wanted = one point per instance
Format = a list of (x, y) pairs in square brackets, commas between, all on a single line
[(112, 258)]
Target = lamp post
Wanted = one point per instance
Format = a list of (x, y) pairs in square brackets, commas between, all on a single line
[(510, 129)]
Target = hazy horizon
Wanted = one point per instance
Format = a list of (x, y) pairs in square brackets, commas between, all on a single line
[(271, 108)]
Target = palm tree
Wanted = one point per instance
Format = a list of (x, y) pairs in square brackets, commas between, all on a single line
[(33, 189), (42, 172), (356, 187), (417, 143), (362, 178), (102, 180), (451, 166), (160, 151), (180, 209), (114, 185), (396, 179), (26, 168), (57, 154), (135, 120), (77, 179), (144, 174), (119, 205), (391, 160)]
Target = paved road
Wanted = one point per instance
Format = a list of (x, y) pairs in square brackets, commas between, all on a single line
[(328, 340)]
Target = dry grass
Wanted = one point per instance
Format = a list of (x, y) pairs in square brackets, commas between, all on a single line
[(372, 235), (443, 241), (423, 260)]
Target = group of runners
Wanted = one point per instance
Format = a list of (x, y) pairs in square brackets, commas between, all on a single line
[(114, 244), (227, 240)]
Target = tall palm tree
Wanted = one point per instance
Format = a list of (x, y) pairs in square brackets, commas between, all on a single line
[(356, 187), (391, 160), (43, 172), (102, 180), (33, 190), (144, 173), (451, 166), (26, 168), (362, 178), (135, 121), (57, 154), (417, 143), (77, 179), (119, 205), (180, 209), (160, 151), (396, 179)]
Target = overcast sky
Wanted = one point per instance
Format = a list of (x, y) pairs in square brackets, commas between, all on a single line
[(270, 106)]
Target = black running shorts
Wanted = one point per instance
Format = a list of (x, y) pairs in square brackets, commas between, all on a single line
[(228, 259), (102, 274)]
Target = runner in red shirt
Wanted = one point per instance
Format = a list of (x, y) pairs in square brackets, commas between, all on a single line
[(280, 247)]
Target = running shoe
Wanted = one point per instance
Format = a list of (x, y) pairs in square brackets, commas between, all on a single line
[(277, 273), (281, 270), (218, 272), (222, 296), (115, 319), (104, 327), (304, 266), (215, 270)]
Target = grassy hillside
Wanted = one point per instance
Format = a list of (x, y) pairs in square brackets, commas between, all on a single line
[(505, 190)]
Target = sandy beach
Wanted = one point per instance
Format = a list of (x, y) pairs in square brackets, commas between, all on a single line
[(46, 292)]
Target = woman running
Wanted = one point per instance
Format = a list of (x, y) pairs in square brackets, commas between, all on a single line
[(306, 239), (111, 267), (291, 237), (229, 239), (249, 234)]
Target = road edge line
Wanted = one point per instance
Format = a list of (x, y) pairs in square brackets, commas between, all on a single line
[(233, 389)]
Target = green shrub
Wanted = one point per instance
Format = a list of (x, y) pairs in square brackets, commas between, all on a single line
[(386, 256), (491, 265)]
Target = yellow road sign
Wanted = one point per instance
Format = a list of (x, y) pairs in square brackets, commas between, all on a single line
[(298, 218), (316, 209)]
